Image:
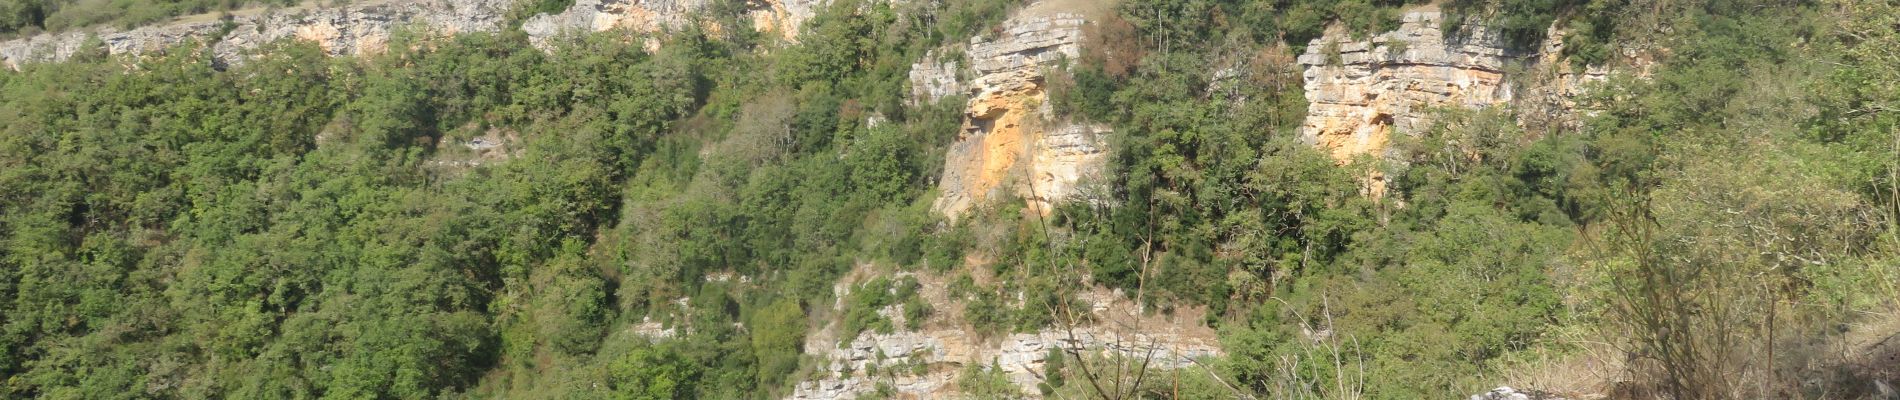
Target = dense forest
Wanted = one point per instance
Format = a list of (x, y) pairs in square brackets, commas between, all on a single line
[(308, 226)]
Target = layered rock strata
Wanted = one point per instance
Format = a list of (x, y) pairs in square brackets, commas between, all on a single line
[(601, 15), (1360, 92), (1010, 141), (1020, 356), (783, 17), (934, 79), (926, 363), (1551, 94), (366, 28), (340, 31)]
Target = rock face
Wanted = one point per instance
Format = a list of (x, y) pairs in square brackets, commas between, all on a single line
[(340, 31), (926, 363), (777, 17), (1552, 93), (1009, 140), (933, 79), (1360, 92), (364, 29), (1507, 393), (1020, 356), (600, 15), (783, 17)]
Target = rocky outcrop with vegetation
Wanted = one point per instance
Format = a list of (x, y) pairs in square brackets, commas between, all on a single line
[(1360, 92), (927, 358), (363, 29), (349, 30), (1011, 143)]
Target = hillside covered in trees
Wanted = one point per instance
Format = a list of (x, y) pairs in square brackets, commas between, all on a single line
[(1669, 199)]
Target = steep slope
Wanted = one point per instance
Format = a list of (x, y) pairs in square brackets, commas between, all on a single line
[(1011, 143)]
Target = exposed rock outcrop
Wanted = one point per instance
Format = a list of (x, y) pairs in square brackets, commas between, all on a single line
[(1508, 393), (933, 79), (364, 29), (1010, 142), (1020, 356), (340, 31), (1551, 93), (1360, 92), (777, 17), (926, 363), (600, 15), (783, 17)]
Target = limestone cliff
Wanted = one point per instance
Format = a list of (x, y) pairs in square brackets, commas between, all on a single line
[(926, 363), (1010, 142), (1360, 92), (777, 17), (783, 17), (1020, 356), (366, 28), (340, 31), (601, 15)]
